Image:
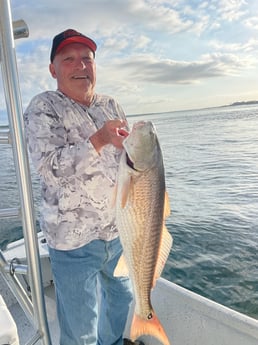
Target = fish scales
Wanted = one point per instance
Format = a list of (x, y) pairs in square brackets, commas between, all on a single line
[(143, 217)]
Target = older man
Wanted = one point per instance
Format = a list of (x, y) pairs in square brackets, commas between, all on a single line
[(75, 139)]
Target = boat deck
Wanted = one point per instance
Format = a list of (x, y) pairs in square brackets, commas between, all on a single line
[(24, 327)]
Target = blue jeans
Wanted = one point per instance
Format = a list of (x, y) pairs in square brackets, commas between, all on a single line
[(82, 319)]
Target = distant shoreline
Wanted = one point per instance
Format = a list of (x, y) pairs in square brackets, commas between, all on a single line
[(238, 103), (243, 103)]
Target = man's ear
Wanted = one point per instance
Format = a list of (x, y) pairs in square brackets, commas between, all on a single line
[(52, 70)]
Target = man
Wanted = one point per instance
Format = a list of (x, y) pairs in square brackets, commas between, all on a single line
[(75, 141)]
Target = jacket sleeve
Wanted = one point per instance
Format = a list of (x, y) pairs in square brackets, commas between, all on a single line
[(48, 143)]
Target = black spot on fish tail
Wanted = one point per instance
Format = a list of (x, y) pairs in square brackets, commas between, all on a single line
[(150, 316)]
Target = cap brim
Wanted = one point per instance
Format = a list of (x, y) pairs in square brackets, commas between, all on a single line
[(77, 39)]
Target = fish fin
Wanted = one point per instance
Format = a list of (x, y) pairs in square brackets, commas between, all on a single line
[(164, 250), (167, 209), (150, 327), (121, 269), (125, 191)]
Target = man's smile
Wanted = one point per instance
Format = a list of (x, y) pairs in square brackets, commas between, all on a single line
[(80, 77)]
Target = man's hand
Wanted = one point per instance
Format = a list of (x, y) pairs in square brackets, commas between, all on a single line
[(113, 132)]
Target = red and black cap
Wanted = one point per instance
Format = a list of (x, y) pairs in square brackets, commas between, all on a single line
[(70, 36)]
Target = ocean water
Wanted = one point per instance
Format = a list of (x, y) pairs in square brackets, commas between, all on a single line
[(211, 167)]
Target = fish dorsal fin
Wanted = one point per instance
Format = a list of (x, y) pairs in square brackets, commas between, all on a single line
[(164, 250), (126, 190), (121, 269)]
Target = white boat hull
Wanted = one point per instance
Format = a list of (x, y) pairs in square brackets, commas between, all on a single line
[(188, 318)]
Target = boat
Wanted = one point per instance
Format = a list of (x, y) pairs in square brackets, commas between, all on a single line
[(27, 292)]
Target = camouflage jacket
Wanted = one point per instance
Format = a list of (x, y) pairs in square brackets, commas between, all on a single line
[(77, 182)]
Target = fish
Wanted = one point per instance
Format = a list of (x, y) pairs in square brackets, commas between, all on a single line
[(141, 207)]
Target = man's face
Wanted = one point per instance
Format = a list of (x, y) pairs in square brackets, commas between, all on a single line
[(75, 70)]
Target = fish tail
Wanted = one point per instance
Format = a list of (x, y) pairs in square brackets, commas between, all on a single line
[(150, 327)]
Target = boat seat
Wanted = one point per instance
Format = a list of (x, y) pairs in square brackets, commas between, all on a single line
[(8, 329)]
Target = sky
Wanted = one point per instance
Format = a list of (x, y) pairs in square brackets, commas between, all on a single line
[(153, 55)]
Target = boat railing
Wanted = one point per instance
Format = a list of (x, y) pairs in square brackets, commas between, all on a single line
[(13, 133)]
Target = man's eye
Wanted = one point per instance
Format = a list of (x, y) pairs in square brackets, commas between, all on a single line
[(88, 59)]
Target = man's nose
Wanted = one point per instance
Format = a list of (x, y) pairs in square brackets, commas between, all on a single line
[(81, 64)]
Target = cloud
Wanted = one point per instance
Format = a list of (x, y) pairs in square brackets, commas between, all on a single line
[(231, 10), (145, 47), (252, 22), (147, 69), (239, 48), (94, 16)]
